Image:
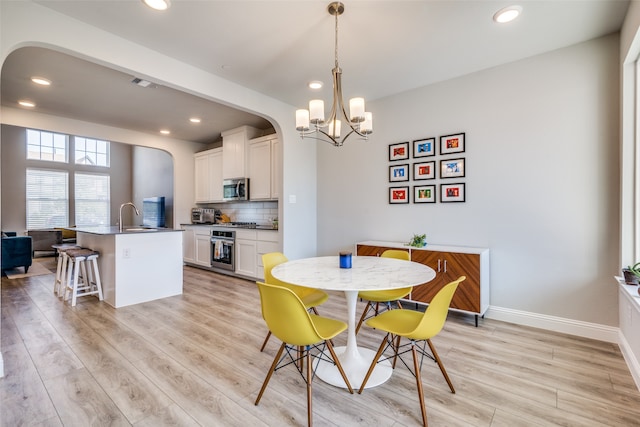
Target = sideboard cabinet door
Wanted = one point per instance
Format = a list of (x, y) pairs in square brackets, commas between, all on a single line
[(449, 266)]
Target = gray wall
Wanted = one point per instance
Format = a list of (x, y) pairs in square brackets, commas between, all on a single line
[(153, 176), (542, 179)]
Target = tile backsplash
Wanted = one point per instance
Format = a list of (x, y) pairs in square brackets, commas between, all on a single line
[(261, 213)]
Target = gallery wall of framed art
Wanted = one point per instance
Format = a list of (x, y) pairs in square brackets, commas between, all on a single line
[(428, 170)]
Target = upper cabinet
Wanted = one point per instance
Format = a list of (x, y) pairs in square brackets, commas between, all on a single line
[(264, 168), (234, 151), (208, 176)]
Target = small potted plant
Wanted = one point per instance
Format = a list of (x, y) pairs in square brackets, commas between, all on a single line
[(418, 240), (632, 274)]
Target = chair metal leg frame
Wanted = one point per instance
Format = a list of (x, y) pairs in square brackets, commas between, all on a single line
[(393, 341), (376, 310), (266, 339), (303, 353)]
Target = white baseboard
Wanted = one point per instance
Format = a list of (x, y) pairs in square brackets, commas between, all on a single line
[(631, 360), (557, 324)]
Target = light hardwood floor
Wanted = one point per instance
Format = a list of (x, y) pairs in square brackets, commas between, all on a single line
[(194, 360)]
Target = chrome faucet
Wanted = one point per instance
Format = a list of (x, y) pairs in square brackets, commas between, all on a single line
[(122, 206)]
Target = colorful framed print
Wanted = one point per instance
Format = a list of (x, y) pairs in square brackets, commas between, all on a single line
[(452, 168), (452, 192), (398, 195), (399, 151), (424, 194), (450, 144), (398, 173), (425, 170), (424, 147)]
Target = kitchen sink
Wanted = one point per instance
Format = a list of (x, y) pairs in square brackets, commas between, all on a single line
[(140, 229)]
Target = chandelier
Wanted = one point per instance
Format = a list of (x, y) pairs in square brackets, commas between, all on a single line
[(329, 129)]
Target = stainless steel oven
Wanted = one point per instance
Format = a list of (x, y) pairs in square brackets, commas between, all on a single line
[(222, 249)]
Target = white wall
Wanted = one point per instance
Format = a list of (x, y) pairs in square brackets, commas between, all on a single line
[(542, 179)]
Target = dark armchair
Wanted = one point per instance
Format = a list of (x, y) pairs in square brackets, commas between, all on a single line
[(16, 251)]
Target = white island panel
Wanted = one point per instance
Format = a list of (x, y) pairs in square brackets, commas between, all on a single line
[(137, 267)]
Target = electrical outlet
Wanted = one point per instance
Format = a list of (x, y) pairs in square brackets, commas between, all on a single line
[(126, 253)]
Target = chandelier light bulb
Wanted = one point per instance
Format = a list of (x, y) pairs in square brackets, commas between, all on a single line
[(366, 127), (316, 111), (302, 120), (334, 128), (356, 107)]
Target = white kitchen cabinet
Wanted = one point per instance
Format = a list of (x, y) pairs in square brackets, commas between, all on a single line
[(266, 241), (246, 253), (197, 245), (208, 176), (234, 151), (276, 168), (188, 244), (203, 248), (264, 168)]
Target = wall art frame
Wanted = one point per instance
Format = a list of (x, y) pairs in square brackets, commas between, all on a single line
[(398, 195), (399, 173), (424, 170), (454, 143), (424, 194), (452, 193), (452, 168), (424, 147), (399, 151)]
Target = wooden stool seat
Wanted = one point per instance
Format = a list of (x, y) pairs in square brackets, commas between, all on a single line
[(61, 269), (83, 277)]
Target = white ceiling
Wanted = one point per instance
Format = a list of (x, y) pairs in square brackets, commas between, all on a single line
[(277, 47)]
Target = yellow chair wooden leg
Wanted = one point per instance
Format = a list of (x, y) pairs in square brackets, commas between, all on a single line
[(416, 366), (273, 368), (440, 365)]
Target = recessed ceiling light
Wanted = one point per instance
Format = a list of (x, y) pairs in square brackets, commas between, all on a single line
[(41, 81), (507, 14), (195, 120), (315, 84), (165, 131), (28, 104), (157, 4)]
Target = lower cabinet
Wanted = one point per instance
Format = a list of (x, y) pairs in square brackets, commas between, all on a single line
[(266, 242), (250, 246), (449, 263), (189, 244), (197, 245), (203, 247), (246, 252)]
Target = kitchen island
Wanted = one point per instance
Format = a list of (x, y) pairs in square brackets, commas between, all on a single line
[(136, 264)]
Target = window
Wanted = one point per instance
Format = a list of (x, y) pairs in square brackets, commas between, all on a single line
[(47, 146), (92, 199), (47, 199), (91, 152)]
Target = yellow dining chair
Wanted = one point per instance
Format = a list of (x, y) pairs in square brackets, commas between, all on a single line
[(300, 333), (374, 298), (417, 327), (311, 298)]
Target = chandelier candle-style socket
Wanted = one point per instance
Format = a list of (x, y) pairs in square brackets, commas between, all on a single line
[(329, 129)]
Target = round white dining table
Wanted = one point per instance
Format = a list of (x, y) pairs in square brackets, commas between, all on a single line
[(368, 273)]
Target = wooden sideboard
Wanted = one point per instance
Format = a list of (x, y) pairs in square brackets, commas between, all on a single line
[(449, 263)]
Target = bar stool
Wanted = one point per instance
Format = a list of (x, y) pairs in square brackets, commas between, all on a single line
[(61, 269), (83, 277)]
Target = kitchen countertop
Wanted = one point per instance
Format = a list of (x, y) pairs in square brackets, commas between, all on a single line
[(257, 227), (105, 230)]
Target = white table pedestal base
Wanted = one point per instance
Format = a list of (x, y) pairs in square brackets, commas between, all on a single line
[(355, 366)]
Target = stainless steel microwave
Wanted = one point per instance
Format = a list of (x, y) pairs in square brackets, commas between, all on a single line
[(236, 189)]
